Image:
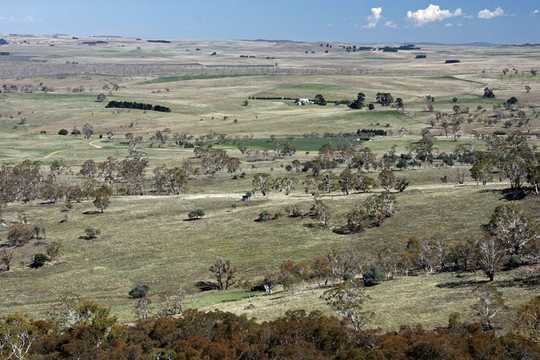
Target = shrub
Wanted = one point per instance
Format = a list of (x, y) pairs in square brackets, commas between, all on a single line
[(373, 276), (54, 249), (294, 211), (91, 233), (196, 214), (138, 292), (20, 234), (513, 262), (39, 260), (264, 216), (63, 132)]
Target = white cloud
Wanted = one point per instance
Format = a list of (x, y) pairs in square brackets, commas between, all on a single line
[(448, 24), (536, 12), (433, 13), (487, 14), (13, 19), (391, 24), (374, 18)]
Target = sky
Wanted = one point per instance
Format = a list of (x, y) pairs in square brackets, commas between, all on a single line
[(360, 21)]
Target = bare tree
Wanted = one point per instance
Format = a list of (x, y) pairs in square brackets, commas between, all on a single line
[(224, 273), (142, 308), (16, 339), (490, 255), (490, 304), (173, 305), (6, 257)]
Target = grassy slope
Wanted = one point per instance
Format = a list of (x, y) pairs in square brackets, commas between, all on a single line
[(146, 240)]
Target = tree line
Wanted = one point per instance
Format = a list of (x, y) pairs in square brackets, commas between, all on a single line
[(137, 106)]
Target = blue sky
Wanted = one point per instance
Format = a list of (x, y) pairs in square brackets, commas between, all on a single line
[(458, 21)]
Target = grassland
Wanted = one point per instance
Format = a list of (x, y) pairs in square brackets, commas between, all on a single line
[(147, 240)]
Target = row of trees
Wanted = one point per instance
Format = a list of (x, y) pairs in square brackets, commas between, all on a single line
[(138, 106)]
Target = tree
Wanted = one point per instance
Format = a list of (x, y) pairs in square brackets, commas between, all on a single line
[(173, 305), (139, 291), (401, 184), (54, 249), (424, 147), (196, 214), (490, 256), (429, 101), (321, 212), (102, 198), (320, 100), (490, 304), (224, 273), (39, 260), (482, 168), (488, 93), (355, 219), (87, 131), (347, 300), (359, 102), (527, 322), (6, 257), (385, 99), (91, 233), (328, 182), (379, 207), (142, 308), (16, 338), (261, 183), (346, 181), (387, 179), (101, 98), (284, 184), (89, 169), (511, 228), (513, 155), (400, 106)]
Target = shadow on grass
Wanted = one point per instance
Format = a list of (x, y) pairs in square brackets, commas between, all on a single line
[(92, 212), (528, 282)]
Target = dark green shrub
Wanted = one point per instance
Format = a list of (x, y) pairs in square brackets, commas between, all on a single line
[(39, 260), (196, 214), (373, 276), (139, 292)]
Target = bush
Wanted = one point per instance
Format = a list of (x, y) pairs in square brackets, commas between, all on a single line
[(264, 216), (91, 233), (373, 276), (513, 262), (196, 214), (63, 132), (54, 249), (139, 292), (20, 234), (294, 211), (39, 260)]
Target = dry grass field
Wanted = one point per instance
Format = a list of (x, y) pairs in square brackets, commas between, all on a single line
[(145, 239)]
